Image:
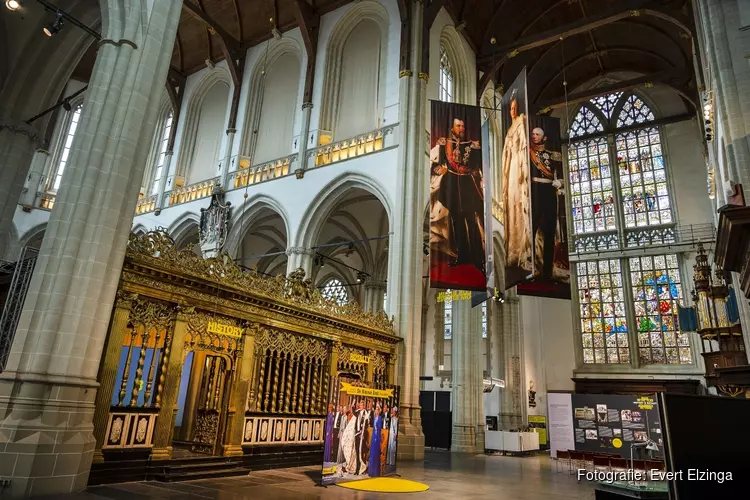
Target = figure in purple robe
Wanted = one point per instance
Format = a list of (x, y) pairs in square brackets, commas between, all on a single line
[(328, 435), (373, 469)]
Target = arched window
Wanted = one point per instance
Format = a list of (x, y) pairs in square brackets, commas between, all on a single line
[(445, 85), (359, 88), (620, 200), (65, 151), (163, 143), (335, 291)]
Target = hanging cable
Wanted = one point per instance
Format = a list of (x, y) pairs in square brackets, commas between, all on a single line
[(565, 89), (253, 143)]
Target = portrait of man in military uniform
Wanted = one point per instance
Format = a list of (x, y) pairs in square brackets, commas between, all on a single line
[(457, 233), (551, 276)]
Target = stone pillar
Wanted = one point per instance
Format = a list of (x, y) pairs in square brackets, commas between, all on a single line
[(168, 158), (47, 392), (405, 273), (34, 179), (511, 411), (466, 371), (168, 397), (224, 174), (299, 257), (729, 74), (18, 141), (374, 292), (304, 140), (108, 372), (241, 390)]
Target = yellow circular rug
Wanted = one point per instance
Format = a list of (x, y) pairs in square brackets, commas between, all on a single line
[(385, 485)]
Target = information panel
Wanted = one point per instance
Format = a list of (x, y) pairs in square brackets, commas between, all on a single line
[(612, 423)]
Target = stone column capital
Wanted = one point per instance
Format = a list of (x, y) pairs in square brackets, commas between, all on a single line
[(22, 128), (299, 251)]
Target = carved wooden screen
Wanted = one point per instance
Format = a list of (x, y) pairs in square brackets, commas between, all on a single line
[(379, 371), (346, 364)]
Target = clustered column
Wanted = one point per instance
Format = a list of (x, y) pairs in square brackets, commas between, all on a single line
[(48, 390), (466, 371), (511, 410)]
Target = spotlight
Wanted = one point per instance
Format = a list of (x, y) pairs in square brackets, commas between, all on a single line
[(66, 105), (361, 276), (13, 4), (53, 28), (425, 249)]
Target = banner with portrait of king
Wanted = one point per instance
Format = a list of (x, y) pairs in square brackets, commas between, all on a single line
[(551, 276), (519, 251), (457, 208)]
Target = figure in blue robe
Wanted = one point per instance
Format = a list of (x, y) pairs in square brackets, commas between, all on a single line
[(328, 435), (373, 469)]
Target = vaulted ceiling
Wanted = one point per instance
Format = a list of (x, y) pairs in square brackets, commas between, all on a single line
[(578, 41)]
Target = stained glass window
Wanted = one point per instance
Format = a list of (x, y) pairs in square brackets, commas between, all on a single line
[(656, 291), (591, 186), (65, 153), (586, 122), (643, 193), (606, 103), (162, 154), (335, 291), (643, 178), (445, 85), (448, 316), (604, 326), (634, 111)]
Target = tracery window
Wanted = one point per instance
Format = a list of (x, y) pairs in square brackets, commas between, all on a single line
[(620, 199), (67, 145), (159, 167), (334, 290), (445, 85)]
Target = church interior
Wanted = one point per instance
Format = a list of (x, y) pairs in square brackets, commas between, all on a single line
[(213, 212)]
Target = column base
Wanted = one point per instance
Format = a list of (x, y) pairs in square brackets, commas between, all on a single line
[(233, 450), (467, 439), (162, 453), (46, 434), (410, 436)]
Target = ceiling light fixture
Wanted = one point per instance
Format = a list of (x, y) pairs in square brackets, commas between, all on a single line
[(54, 28), (13, 4)]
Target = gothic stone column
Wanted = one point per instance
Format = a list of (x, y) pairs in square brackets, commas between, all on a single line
[(36, 173), (466, 370), (47, 392), (18, 141), (405, 270), (511, 398), (299, 257)]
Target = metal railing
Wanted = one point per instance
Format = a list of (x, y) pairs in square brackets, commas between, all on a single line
[(19, 285), (146, 204), (270, 170), (191, 192), (353, 147)]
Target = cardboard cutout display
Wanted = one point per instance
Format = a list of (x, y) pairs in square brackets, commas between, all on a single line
[(361, 431)]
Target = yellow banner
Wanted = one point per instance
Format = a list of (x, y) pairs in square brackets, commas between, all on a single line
[(358, 358), (454, 295), (353, 390), (222, 329)]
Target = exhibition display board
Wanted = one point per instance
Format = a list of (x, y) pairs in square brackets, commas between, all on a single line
[(361, 431), (605, 423)]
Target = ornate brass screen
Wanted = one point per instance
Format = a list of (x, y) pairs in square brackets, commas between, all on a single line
[(266, 349)]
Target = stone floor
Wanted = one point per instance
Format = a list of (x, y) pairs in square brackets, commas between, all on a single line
[(450, 477)]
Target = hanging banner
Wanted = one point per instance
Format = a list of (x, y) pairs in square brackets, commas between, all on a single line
[(519, 252), (361, 431), (551, 276), (457, 208), (487, 178)]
